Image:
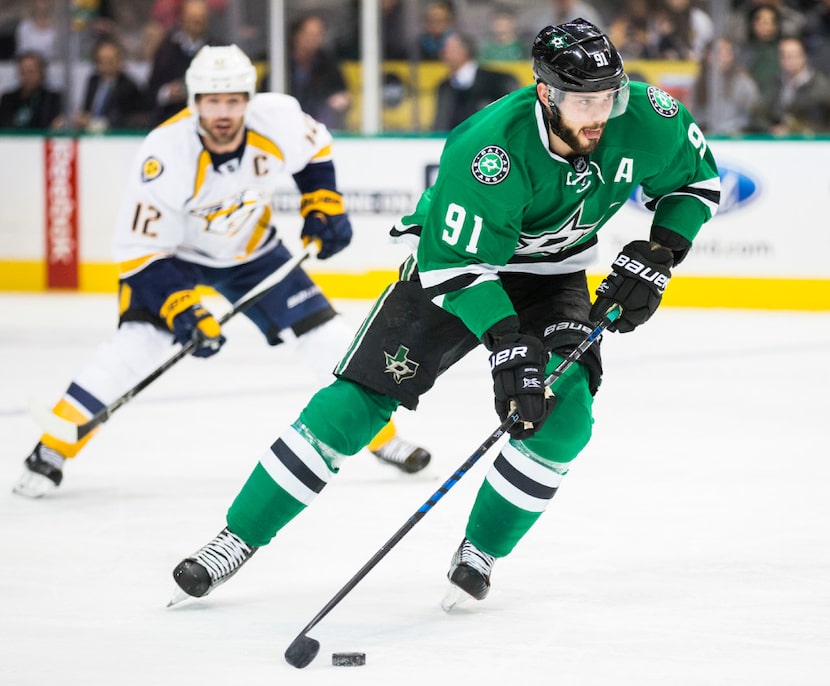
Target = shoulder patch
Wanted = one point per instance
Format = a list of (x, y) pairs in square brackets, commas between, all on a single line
[(491, 165), (663, 103), (151, 169)]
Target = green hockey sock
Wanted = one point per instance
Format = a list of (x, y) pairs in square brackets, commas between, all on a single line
[(568, 429), (345, 416), (496, 525), (526, 474), (337, 422), (261, 509)]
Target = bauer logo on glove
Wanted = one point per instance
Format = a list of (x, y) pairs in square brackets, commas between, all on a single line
[(646, 273), (501, 356), (642, 272), (517, 363)]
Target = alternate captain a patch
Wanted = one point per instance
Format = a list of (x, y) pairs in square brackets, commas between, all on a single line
[(491, 165), (151, 169)]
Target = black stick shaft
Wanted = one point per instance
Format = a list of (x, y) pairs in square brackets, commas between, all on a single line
[(419, 514), (411, 522), (240, 305)]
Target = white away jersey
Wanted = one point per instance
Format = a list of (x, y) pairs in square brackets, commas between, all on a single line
[(177, 204)]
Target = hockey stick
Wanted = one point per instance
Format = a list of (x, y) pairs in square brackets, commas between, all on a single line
[(304, 648), (69, 432)]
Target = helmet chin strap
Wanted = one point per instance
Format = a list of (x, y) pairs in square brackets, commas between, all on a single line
[(553, 120)]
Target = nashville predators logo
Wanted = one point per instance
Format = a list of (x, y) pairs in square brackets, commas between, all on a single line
[(229, 216), (151, 169), (400, 366), (491, 165)]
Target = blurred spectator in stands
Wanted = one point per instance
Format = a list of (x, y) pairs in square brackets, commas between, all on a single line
[(731, 109), (165, 14), (126, 21), (9, 20), (469, 87), (629, 30), (37, 31), (548, 12), (112, 100), (344, 29), (393, 35), (800, 102), (166, 87), (760, 52), (31, 105), (314, 76), (503, 43), (790, 19), (817, 35), (681, 31), (439, 22)]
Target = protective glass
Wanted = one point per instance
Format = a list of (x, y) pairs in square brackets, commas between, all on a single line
[(590, 107)]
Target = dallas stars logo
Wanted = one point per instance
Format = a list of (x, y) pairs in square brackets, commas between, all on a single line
[(559, 39), (663, 103), (399, 365), (571, 231), (491, 165)]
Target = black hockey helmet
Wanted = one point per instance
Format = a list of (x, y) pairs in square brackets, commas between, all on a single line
[(576, 56)]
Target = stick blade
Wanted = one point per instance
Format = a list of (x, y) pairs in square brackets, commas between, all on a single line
[(302, 651), (50, 423)]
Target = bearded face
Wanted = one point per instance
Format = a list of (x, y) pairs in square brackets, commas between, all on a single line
[(222, 118), (581, 138)]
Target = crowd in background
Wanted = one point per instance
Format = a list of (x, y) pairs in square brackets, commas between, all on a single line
[(764, 65)]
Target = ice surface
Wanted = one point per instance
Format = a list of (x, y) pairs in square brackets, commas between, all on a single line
[(690, 544)]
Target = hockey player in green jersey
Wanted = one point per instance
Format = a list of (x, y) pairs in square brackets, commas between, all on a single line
[(500, 244)]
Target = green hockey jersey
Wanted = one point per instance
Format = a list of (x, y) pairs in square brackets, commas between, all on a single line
[(503, 202)]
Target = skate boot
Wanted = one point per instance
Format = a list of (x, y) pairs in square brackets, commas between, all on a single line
[(43, 473), (469, 575), (210, 566), (405, 456)]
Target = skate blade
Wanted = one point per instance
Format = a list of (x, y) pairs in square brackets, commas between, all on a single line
[(178, 596), (454, 597), (33, 485)]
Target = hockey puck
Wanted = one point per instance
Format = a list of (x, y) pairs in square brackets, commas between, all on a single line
[(348, 659)]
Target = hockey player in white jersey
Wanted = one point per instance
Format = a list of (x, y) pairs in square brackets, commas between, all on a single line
[(197, 212)]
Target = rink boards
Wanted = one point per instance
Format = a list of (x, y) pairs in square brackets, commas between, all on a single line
[(766, 248)]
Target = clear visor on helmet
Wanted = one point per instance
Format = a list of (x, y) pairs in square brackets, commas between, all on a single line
[(222, 105), (590, 107)]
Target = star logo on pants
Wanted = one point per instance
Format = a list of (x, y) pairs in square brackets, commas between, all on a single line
[(399, 365)]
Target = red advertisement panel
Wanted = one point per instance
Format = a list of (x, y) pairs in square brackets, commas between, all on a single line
[(61, 212)]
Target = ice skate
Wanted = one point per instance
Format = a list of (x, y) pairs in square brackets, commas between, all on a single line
[(210, 566), (43, 473), (405, 456), (469, 575)]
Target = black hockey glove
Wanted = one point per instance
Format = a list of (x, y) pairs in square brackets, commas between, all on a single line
[(640, 274), (190, 321), (517, 362), (334, 231)]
